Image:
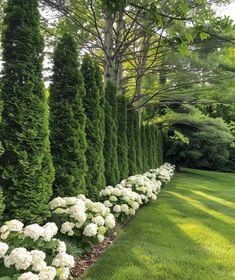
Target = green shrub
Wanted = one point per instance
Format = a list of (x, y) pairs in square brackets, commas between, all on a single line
[(67, 121), (92, 101), (131, 140), (112, 174), (122, 148), (26, 172)]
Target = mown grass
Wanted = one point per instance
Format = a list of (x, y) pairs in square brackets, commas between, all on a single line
[(187, 234)]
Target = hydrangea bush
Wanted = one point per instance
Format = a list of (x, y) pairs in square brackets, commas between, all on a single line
[(33, 252), (83, 219)]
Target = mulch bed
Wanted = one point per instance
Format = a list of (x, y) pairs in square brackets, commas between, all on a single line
[(88, 259)]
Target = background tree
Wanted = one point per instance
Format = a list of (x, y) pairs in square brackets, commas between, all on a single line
[(67, 121), (26, 172), (92, 101), (112, 174)]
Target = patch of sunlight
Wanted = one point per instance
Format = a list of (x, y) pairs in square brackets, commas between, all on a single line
[(210, 240), (215, 199), (142, 257), (197, 204)]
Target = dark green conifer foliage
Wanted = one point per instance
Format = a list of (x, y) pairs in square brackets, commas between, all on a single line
[(67, 120), (144, 148), (26, 171), (131, 140), (100, 84), (112, 174), (150, 146), (122, 149), (94, 127), (139, 159)]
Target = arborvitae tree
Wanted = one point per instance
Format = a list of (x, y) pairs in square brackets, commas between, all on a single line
[(150, 146), (67, 120), (144, 148), (160, 148), (100, 84), (131, 140), (154, 147), (122, 148), (94, 128), (112, 174), (139, 159), (26, 171)]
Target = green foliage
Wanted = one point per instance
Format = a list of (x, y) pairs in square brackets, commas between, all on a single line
[(112, 174), (122, 148), (144, 148), (67, 121), (94, 111), (131, 140), (26, 172), (208, 141), (138, 146)]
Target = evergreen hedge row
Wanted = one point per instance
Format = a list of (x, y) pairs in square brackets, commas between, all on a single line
[(96, 137)]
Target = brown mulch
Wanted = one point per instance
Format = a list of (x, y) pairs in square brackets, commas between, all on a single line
[(88, 259)]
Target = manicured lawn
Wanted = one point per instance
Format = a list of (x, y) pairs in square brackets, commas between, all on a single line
[(187, 234)]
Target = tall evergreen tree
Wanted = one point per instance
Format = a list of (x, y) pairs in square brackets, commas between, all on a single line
[(131, 140), (67, 120), (94, 127), (150, 146), (144, 148), (139, 159), (110, 144), (26, 171), (122, 148)]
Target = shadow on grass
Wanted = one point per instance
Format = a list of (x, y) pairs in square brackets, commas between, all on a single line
[(157, 249)]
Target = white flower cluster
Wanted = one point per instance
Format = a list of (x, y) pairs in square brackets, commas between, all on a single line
[(83, 217), (126, 197), (163, 173), (22, 258), (34, 231)]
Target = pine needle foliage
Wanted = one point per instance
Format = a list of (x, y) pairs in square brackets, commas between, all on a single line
[(26, 171), (122, 148), (93, 104), (67, 120), (112, 174)]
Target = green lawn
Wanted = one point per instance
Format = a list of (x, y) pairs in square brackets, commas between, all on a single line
[(188, 233)]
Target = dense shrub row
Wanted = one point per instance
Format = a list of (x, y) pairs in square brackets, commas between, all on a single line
[(95, 138), (33, 252)]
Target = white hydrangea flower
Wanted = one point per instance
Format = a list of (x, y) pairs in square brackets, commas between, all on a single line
[(117, 209), (14, 225), (64, 273), (19, 257), (33, 231), (107, 203), (63, 260), (99, 220), (47, 273), (90, 230), (113, 198), (67, 227), (70, 200), (124, 208), (82, 197), (61, 247), (100, 238), (28, 276), (57, 202), (135, 205), (3, 249), (50, 230), (110, 221)]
